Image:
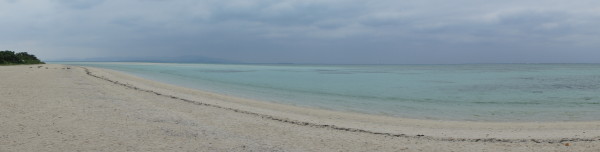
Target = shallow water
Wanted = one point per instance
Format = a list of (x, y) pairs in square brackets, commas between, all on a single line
[(474, 92)]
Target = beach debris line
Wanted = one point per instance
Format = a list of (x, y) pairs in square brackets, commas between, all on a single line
[(310, 124)]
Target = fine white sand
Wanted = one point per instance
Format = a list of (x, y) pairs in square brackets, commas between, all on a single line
[(69, 108)]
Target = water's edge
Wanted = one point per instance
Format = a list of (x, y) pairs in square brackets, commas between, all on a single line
[(469, 92)]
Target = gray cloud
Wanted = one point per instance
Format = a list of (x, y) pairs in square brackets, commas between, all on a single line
[(79, 4), (308, 31)]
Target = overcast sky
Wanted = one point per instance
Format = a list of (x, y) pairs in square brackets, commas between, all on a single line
[(307, 31)]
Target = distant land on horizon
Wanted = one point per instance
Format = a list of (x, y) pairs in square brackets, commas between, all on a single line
[(180, 59)]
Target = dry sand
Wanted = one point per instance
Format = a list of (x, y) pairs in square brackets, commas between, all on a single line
[(68, 108)]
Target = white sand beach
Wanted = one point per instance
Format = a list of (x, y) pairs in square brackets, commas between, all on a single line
[(69, 108)]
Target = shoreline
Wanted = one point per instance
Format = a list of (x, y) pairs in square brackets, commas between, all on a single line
[(533, 99), (380, 124), (70, 108)]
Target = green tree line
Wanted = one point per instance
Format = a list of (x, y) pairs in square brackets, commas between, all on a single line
[(10, 57)]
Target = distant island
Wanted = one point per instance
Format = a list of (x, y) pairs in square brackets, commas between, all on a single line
[(11, 58)]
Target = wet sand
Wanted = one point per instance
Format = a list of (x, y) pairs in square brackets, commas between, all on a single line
[(69, 108)]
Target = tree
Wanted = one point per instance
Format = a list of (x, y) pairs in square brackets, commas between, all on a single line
[(10, 57), (28, 58)]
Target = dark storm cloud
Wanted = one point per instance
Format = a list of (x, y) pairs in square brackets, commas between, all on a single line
[(308, 31)]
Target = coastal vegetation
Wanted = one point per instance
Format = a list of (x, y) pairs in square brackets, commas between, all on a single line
[(11, 58)]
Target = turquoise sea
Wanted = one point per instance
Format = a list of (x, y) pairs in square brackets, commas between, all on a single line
[(472, 92)]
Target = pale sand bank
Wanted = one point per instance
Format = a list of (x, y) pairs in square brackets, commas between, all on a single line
[(60, 109)]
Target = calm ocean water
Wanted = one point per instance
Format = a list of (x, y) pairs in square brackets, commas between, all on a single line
[(474, 92)]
